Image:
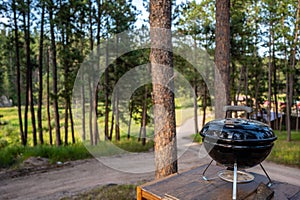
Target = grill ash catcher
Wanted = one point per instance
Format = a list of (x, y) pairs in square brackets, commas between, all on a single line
[(237, 144)]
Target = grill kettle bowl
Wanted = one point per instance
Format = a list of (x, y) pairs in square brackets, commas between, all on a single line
[(235, 140)]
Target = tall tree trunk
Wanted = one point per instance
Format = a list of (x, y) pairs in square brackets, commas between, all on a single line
[(83, 108), (72, 123), (270, 69), (222, 56), (91, 112), (288, 106), (29, 92), (130, 119), (54, 63), (165, 146), (292, 69), (22, 135), (40, 99), (91, 103), (112, 121), (275, 94), (66, 95), (195, 108), (95, 102), (117, 116), (257, 106), (239, 86), (144, 117), (106, 93), (246, 86), (297, 117), (82, 89), (195, 92), (204, 104), (276, 121), (65, 34), (96, 131), (27, 77), (48, 96), (66, 120)]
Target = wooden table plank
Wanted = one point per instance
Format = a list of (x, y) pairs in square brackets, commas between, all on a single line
[(189, 185)]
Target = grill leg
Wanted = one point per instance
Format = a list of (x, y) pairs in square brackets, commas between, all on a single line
[(270, 181), (234, 181), (203, 174)]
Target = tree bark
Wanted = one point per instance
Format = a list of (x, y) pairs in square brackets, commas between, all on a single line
[(72, 123), (54, 74), (106, 92), (117, 116), (165, 145), (66, 120), (83, 108), (112, 121), (29, 92), (27, 80), (91, 112), (16, 31), (270, 69), (144, 117), (48, 97), (40, 99), (195, 109), (96, 130), (130, 119), (222, 57), (290, 75), (95, 102), (204, 104)]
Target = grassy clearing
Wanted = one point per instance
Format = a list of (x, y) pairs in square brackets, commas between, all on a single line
[(110, 192), (14, 155), (287, 153)]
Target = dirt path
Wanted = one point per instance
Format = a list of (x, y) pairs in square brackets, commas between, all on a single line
[(80, 176)]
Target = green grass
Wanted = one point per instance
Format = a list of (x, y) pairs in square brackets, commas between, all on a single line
[(110, 192), (108, 148), (284, 152), (14, 155)]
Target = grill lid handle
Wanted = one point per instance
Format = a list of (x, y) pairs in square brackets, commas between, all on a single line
[(247, 109), (238, 108)]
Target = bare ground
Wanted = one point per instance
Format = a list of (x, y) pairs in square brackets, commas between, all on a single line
[(57, 181)]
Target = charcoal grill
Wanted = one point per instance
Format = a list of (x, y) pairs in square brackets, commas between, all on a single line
[(237, 143)]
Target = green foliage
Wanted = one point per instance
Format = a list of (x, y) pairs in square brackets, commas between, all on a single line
[(196, 138), (3, 143), (10, 155)]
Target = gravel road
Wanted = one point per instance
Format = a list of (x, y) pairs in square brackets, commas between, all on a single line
[(80, 176)]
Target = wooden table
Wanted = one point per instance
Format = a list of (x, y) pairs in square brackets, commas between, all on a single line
[(189, 185)]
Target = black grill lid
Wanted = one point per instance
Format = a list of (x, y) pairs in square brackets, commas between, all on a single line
[(237, 129)]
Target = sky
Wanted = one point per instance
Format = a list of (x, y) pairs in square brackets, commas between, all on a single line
[(144, 14), (139, 5)]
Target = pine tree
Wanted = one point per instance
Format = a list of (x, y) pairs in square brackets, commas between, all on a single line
[(163, 97)]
